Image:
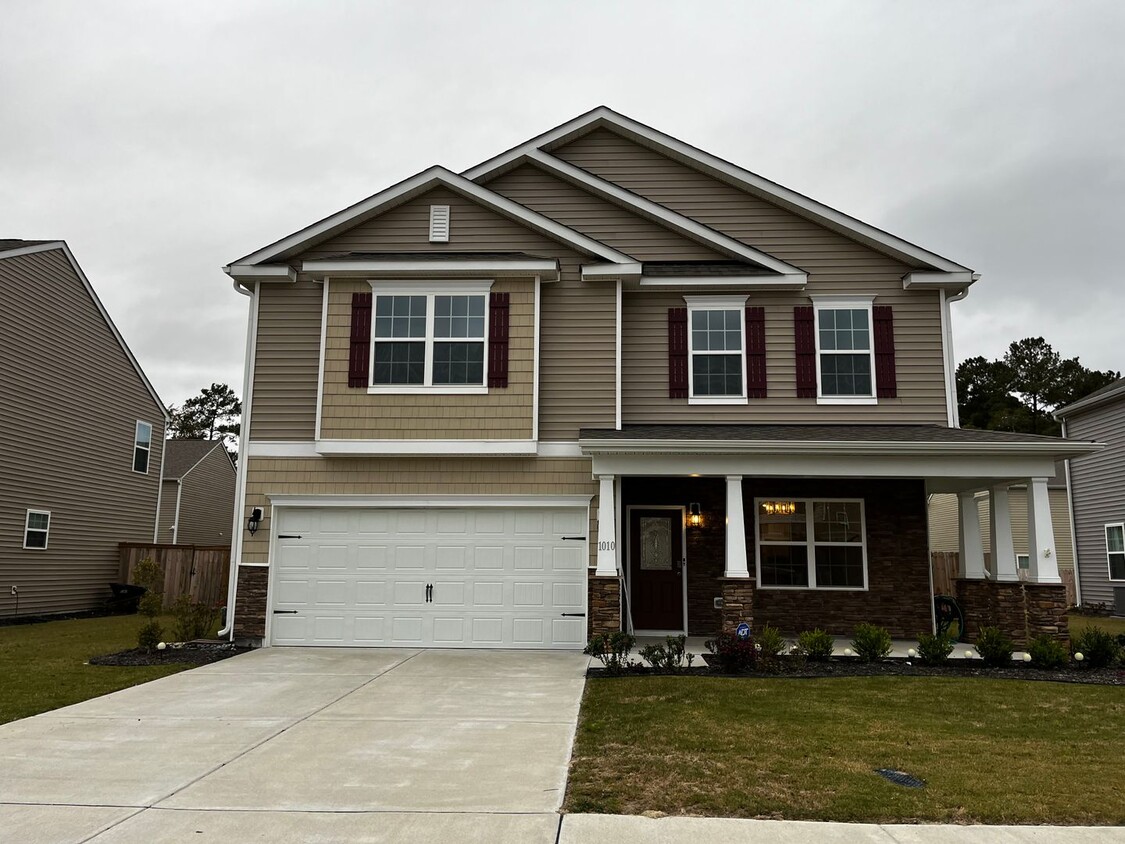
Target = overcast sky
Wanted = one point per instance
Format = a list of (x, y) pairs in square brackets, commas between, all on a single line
[(163, 140)]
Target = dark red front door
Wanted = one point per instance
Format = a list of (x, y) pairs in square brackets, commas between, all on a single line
[(656, 561)]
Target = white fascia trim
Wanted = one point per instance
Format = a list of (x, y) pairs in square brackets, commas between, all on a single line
[(262, 272), (1090, 402), (354, 448), (280, 448), (948, 280), (803, 205), (628, 269), (671, 219), (1063, 448), (559, 449), (757, 282), (463, 286), (400, 501), (419, 183), (547, 269), (716, 303)]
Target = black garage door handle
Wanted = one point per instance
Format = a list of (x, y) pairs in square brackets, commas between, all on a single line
[(285, 612)]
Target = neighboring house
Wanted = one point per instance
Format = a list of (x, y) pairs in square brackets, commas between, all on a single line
[(1097, 495), (607, 380), (81, 436), (944, 534), (197, 497)]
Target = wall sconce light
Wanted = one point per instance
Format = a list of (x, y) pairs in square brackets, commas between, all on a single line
[(695, 517), (779, 508), (254, 521)]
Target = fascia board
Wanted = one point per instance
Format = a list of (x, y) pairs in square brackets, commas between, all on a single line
[(610, 272), (547, 269), (942, 281), (261, 272), (1064, 448), (420, 183), (359, 448), (1091, 402), (754, 282), (715, 166)]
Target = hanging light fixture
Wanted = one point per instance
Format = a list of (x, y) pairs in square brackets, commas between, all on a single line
[(779, 508), (695, 515)]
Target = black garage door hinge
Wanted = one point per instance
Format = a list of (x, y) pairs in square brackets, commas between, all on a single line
[(285, 612), (577, 538), (289, 536), (574, 615)]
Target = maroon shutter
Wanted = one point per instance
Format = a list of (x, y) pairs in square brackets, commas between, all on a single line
[(498, 339), (885, 381), (677, 353), (755, 353), (359, 357), (804, 331)]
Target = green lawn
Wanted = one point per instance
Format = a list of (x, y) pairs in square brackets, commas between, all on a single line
[(990, 751), (1078, 623), (42, 666)]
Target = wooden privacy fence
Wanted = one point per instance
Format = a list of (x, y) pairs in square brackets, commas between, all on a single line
[(946, 568), (198, 571)]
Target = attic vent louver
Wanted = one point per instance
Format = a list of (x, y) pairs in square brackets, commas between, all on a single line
[(439, 224)]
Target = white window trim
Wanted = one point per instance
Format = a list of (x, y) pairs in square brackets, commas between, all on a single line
[(854, 303), (716, 303), (137, 444), (1108, 568), (27, 528), (1026, 564), (811, 545), (429, 289)]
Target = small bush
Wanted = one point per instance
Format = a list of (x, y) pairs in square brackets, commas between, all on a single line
[(871, 642), (1047, 653), (816, 645), (770, 642), (194, 619), (612, 649), (671, 657), (734, 654), (148, 637), (1098, 647), (994, 647), (149, 575), (934, 650)]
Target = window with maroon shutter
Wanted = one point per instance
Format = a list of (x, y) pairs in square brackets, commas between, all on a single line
[(804, 331), (885, 380), (677, 353), (755, 352), (498, 339), (359, 355)]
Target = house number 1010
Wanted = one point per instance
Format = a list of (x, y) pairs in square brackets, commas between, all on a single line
[(608, 545)]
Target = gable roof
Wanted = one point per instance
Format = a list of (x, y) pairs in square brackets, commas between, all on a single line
[(716, 167), (30, 247), (1107, 394), (181, 456)]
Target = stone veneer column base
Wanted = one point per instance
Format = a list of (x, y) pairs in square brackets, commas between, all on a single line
[(605, 605), (738, 602), (1020, 610), (250, 603)]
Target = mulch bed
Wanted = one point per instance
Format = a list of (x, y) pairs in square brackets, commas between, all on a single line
[(187, 653)]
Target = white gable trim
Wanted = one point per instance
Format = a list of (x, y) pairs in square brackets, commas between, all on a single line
[(61, 245), (714, 166), (415, 185), (546, 268)]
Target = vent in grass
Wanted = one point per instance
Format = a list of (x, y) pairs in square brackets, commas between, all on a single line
[(900, 778)]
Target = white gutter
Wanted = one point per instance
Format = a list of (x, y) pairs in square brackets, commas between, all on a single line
[(831, 447)]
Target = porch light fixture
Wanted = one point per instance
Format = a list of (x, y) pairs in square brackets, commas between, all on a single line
[(254, 521), (695, 516), (779, 508)]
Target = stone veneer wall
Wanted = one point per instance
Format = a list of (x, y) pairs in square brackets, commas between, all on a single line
[(605, 605), (1020, 610), (738, 603), (250, 602)]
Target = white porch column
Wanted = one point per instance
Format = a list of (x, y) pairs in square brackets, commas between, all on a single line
[(971, 546), (736, 529), (1043, 565), (607, 527), (1000, 524)]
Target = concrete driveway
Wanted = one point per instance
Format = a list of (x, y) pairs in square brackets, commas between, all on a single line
[(305, 744)]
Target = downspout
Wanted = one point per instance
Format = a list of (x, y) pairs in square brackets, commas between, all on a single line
[(954, 417), (1073, 529), (176, 518)]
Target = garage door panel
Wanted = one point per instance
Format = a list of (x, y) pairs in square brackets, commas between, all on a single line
[(568, 558), (488, 558), (370, 593), (370, 630), (567, 596), (488, 594), (407, 628), (410, 521), (447, 593), (408, 592), (328, 557), (332, 592), (372, 522), (372, 556), (451, 557), (527, 558), (527, 594), (328, 628), (569, 631)]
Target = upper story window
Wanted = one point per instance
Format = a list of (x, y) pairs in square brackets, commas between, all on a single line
[(429, 342), (1115, 550), (716, 350), (36, 528), (845, 351), (142, 447), (811, 544)]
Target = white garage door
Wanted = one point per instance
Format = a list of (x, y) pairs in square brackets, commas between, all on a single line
[(453, 578)]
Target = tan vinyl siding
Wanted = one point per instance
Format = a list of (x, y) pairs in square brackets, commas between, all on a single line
[(287, 361), (605, 222), (502, 413), (68, 414), (207, 502), (507, 476), (165, 526), (1098, 486)]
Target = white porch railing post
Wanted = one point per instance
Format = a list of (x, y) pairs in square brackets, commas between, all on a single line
[(971, 546), (1043, 564), (607, 527), (1000, 523), (736, 529)]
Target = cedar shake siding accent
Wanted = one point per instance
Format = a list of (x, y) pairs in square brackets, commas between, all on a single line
[(287, 361), (68, 415), (595, 217), (502, 413)]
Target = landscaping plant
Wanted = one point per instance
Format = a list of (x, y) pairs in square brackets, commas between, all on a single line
[(994, 647), (612, 649), (734, 654), (934, 650), (1098, 647), (151, 576), (871, 642), (194, 619), (770, 646), (1047, 653), (669, 657), (816, 645)]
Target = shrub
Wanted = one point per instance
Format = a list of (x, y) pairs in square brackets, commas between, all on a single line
[(734, 654), (1098, 647), (148, 637), (994, 647), (149, 575), (1046, 652), (816, 645), (669, 657), (612, 649), (871, 642), (194, 619), (934, 650), (770, 643)]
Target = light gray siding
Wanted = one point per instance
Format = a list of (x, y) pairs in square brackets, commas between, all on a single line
[(69, 402)]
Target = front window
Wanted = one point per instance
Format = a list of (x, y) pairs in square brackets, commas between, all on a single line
[(428, 341), (35, 530), (1115, 550), (717, 347), (142, 446), (845, 351), (811, 544)]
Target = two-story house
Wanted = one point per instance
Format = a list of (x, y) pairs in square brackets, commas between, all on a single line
[(606, 380)]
